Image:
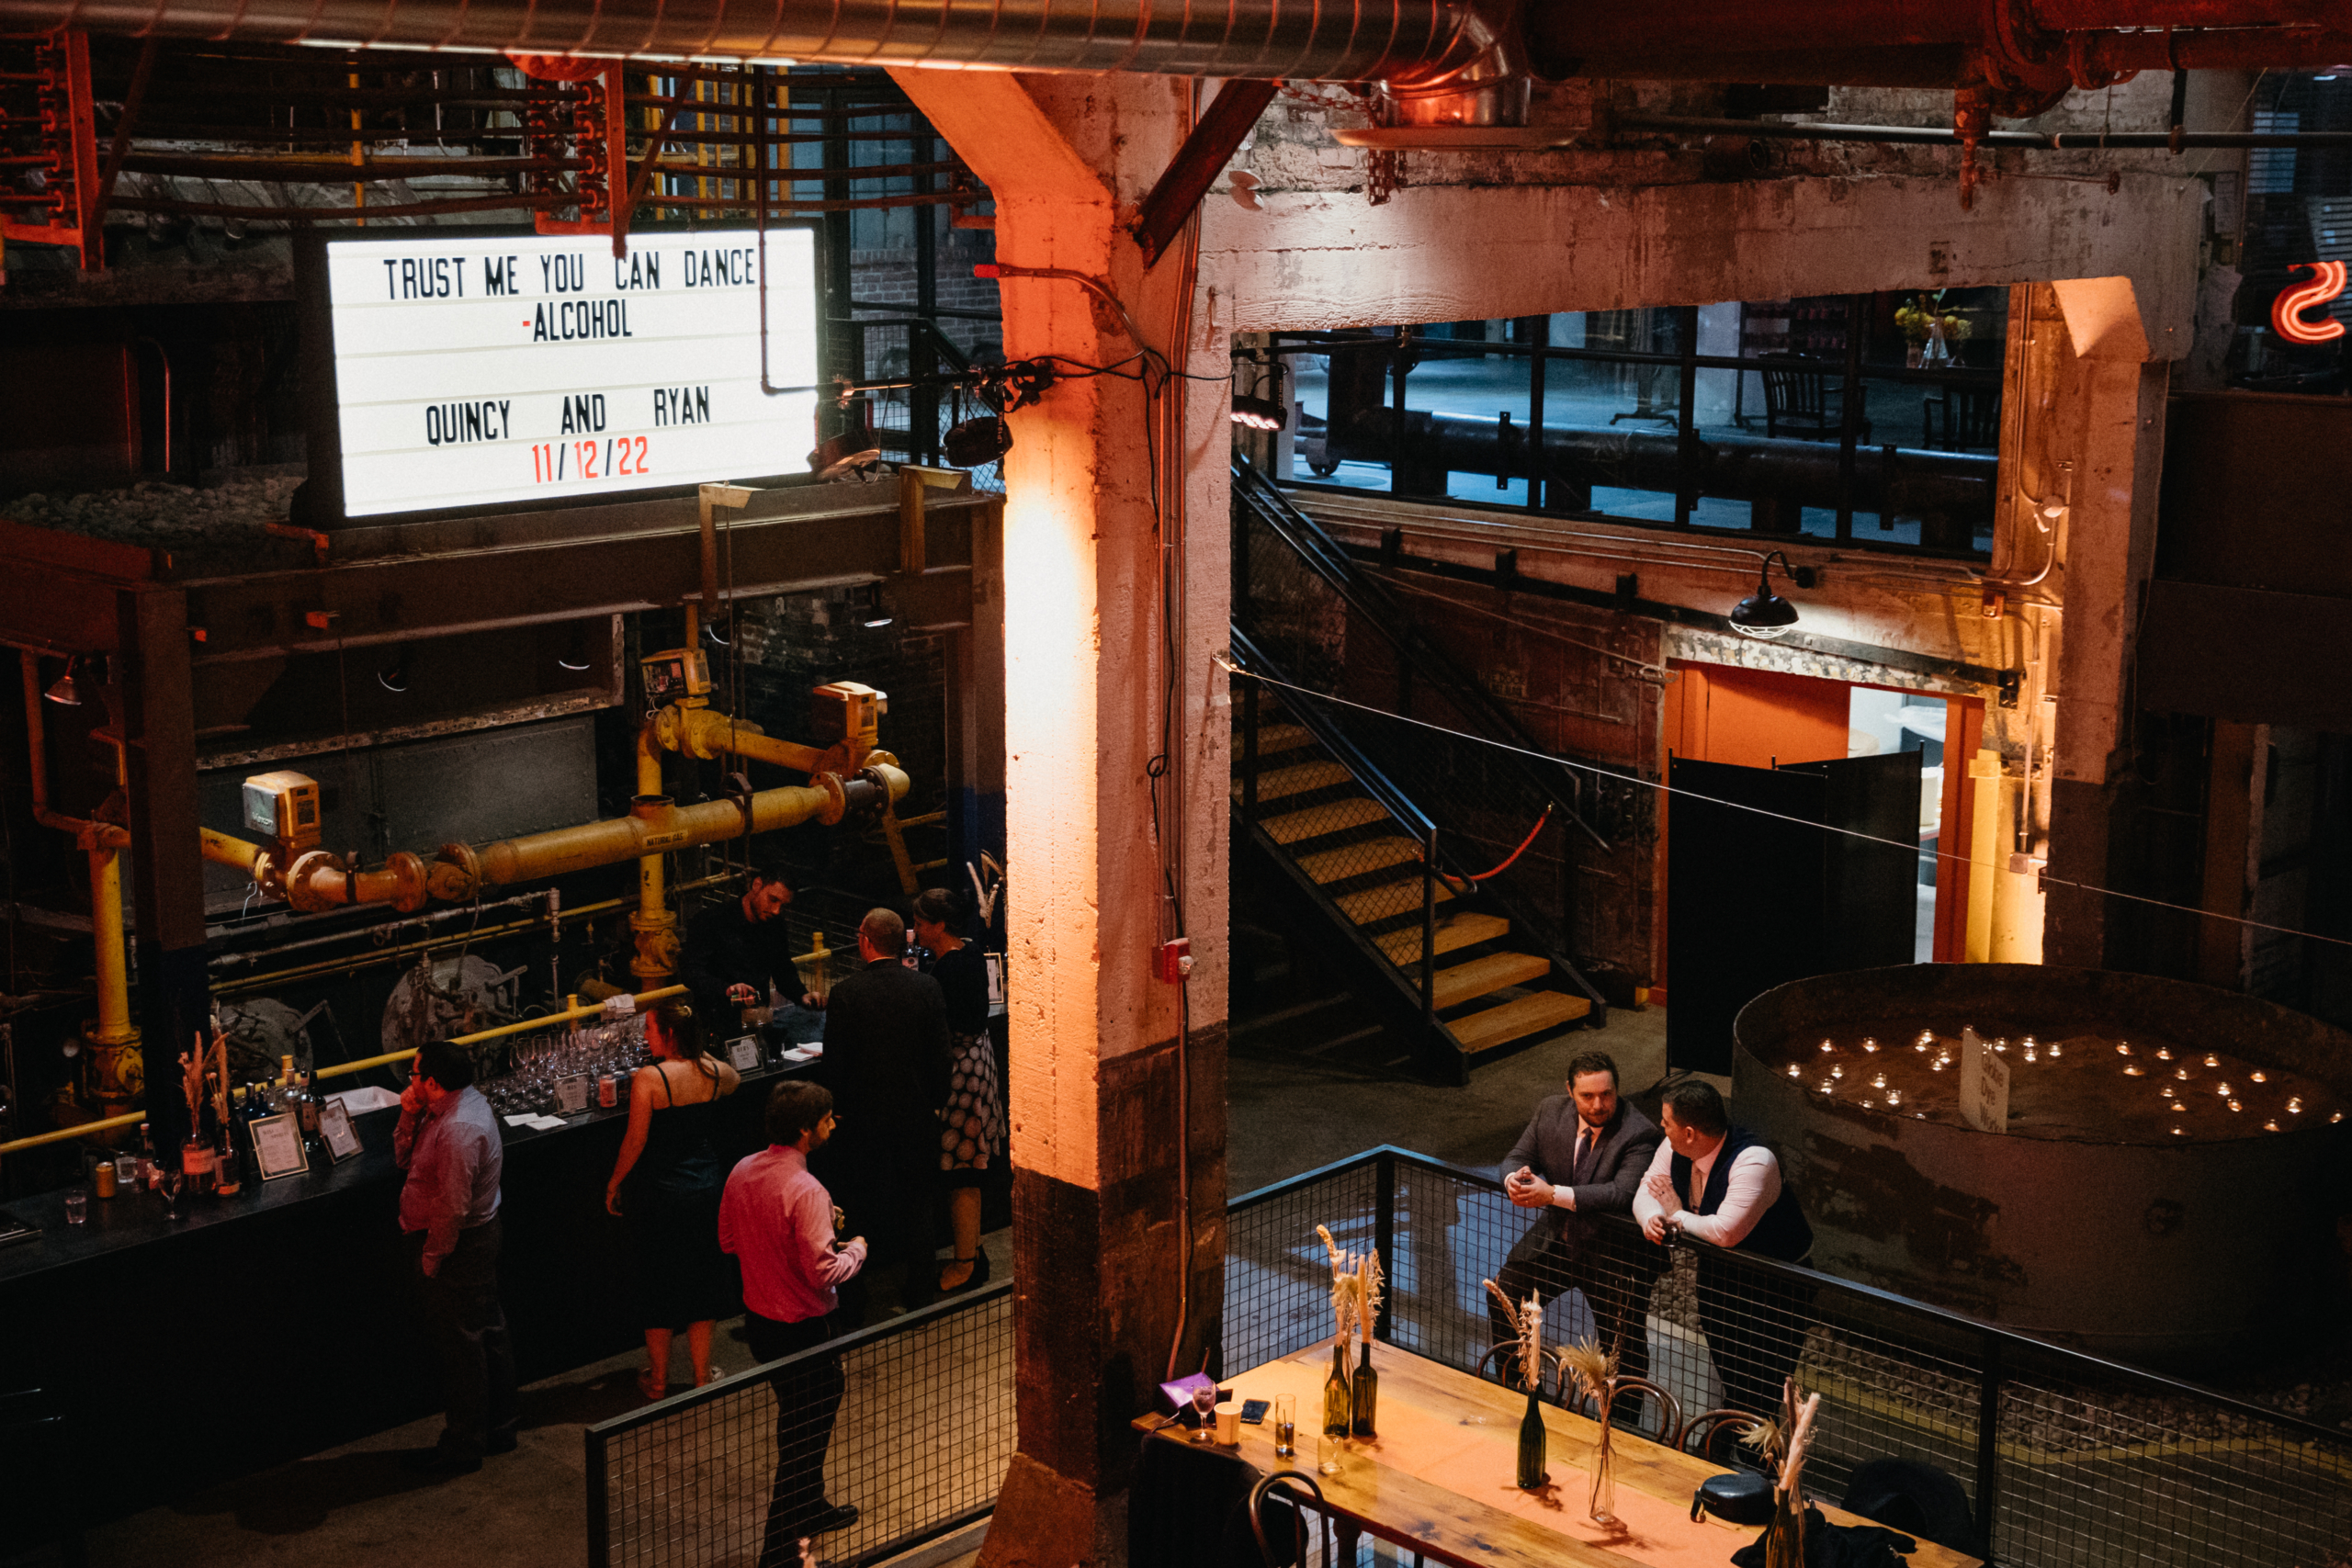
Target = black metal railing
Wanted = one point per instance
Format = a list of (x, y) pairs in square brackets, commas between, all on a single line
[(918, 1446), (910, 420), (2066, 1459), (1345, 647)]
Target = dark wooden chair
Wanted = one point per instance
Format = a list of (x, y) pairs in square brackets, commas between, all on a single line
[(1669, 1408), (1969, 417), (1713, 1431), (1507, 1371), (1800, 396)]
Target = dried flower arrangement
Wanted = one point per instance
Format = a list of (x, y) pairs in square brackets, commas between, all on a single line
[(1588, 1366), (1528, 1316), (1347, 1288)]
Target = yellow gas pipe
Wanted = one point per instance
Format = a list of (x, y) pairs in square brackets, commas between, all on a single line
[(118, 1074)]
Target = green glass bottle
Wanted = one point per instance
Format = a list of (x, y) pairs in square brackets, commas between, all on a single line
[(1366, 1394), (1533, 1471), (1334, 1394)]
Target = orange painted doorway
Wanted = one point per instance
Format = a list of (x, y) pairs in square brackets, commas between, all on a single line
[(1762, 718)]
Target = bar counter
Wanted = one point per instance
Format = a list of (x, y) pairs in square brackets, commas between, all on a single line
[(260, 1328)]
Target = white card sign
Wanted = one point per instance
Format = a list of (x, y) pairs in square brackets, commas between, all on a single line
[(743, 1051), (570, 1095), (1983, 1085), (476, 370)]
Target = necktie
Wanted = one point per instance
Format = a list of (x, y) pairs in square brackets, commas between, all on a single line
[(1584, 1151), (1698, 1185)]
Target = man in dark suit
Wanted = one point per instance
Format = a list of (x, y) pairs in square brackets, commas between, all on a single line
[(1583, 1155), (887, 1062)]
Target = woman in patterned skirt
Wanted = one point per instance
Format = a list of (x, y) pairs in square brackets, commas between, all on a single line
[(972, 1122)]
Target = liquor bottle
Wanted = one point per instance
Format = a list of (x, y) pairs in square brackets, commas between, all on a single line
[(146, 1158), (308, 1104), (1365, 1395), (228, 1173), (1336, 1394), (284, 1099)]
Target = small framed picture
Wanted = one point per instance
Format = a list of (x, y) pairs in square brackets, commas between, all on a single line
[(278, 1146), (335, 1127), (995, 962), (743, 1051)]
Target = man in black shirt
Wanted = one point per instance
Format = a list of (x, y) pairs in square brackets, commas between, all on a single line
[(735, 951)]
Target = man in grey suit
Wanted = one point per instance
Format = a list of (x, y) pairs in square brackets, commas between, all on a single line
[(1584, 1154)]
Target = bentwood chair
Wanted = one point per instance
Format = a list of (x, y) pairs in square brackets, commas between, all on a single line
[(1712, 1433), (1291, 1511), (1669, 1408), (1506, 1371)]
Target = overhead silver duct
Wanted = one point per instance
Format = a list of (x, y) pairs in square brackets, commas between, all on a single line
[(1440, 61)]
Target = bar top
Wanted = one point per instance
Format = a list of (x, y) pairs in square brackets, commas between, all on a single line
[(130, 1220)]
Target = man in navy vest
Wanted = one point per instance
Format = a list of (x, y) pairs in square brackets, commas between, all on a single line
[(1583, 1156), (1713, 1182)]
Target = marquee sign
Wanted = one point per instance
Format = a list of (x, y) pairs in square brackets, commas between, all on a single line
[(475, 370), (2287, 310)]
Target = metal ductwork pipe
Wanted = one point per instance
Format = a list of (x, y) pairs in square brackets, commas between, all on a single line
[(1459, 53)]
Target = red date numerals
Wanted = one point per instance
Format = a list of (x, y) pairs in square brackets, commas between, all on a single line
[(554, 462)]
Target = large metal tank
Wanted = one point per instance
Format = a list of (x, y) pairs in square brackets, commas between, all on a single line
[(2139, 1206)]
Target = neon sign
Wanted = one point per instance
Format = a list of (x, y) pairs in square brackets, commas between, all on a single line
[(2287, 310)]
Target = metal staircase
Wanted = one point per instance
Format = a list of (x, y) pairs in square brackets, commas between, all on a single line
[(1396, 831)]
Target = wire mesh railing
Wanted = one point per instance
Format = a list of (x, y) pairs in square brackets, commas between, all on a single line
[(910, 1423), (2065, 1459)]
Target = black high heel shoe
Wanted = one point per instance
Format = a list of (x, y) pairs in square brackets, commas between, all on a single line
[(973, 1280)]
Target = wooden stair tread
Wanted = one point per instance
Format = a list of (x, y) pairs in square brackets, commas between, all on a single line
[(1275, 738), (1516, 1020), (1296, 779), (1355, 860), (1496, 970), (1404, 947), (1388, 899), (1296, 827)]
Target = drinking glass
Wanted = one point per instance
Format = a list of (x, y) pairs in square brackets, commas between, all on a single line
[(1285, 1425), (1328, 1450), (77, 1205), (1204, 1407)]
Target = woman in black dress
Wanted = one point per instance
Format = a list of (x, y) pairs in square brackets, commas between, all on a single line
[(972, 1122), (666, 1186)]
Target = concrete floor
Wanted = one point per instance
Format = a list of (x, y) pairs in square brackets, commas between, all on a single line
[(355, 1505)]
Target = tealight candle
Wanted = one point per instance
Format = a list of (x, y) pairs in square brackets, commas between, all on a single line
[(1795, 1071), (2180, 1072), (1878, 1081), (2123, 1048), (2164, 1055), (2179, 1132), (2053, 1051), (2259, 1078), (2212, 1060), (1894, 1097), (1870, 1044), (2271, 1125), (2295, 1108), (2223, 1091), (2134, 1071), (1828, 1044), (2001, 1044), (1829, 1086), (2235, 1106), (2337, 1117), (1836, 1072)]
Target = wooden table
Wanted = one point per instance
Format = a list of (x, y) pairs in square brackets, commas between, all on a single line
[(1441, 1479)]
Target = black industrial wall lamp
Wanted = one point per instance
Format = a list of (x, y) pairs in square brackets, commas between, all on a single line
[(1765, 612)]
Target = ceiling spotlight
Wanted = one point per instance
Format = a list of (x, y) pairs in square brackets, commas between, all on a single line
[(1258, 413), (1765, 612), (867, 605), (62, 691)]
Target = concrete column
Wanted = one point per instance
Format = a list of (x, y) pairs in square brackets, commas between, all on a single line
[(2094, 444), (1104, 1164)]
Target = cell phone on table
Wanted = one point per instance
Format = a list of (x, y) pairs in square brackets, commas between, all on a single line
[(1253, 1411)]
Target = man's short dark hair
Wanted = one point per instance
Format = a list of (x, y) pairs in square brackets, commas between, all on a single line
[(772, 871), (883, 931), (445, 1063), (794, 1108), (1697, 1106), (1592, 1062)]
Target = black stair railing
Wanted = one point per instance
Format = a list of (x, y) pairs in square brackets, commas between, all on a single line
[(1402, 814), (1299, 600)]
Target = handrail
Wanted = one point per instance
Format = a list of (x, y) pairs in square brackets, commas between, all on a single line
[(1377, 784), (1427, 662), (2082, 1361)]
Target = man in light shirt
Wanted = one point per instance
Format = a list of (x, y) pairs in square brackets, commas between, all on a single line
[(780, 1223), (1713, 1182)]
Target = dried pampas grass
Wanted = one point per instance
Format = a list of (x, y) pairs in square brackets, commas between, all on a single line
[(1347, 1288), (1529, 1318), (1591, 1369)]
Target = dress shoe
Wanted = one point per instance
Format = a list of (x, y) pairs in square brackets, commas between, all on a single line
[(439, 1463), (837, 1518)]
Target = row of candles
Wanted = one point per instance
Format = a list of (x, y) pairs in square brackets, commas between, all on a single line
[(2034, 1050)]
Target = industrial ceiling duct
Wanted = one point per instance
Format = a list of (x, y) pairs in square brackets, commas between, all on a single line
[(1437, 62)]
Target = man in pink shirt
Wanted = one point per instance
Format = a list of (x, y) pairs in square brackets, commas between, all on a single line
[(780, 1224)]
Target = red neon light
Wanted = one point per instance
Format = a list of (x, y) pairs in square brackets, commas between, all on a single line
[(2287, 310)]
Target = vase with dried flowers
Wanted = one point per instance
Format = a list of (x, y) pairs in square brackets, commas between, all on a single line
[(1594, 1371), (1534, 1441), (1784, 1535), (1338, 1401), (1364, 1394)]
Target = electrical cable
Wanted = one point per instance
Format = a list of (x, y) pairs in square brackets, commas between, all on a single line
[(1664, 789)]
